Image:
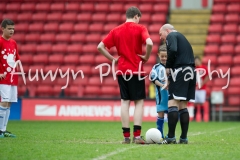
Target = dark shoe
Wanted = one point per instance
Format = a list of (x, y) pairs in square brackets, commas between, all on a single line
[(138, 140), (1, 134), (126, 141), (8, 134), (167, 140), (183, 141)]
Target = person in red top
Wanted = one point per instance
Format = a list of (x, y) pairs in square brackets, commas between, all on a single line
[(128, 39), (200, 94), (8, 82)]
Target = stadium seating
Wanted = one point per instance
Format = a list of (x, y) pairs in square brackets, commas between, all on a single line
[(53, 35)]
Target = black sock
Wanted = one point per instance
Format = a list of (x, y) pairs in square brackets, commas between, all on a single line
[(184, 120), (195, 112), (126, 132), (202, 112), (137, 130), (172, 120)]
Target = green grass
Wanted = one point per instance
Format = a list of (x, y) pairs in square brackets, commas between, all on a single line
[(102, 140)]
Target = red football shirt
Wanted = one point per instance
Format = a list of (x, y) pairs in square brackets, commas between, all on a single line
[(9, 55), (203, 77), (128, 39)]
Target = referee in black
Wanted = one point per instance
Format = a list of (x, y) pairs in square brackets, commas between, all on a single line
[(180, 67)]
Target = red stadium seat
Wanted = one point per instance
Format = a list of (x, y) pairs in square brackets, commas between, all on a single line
[(128, 5), (227, 49), (114, 17), (145, 18), (99, 17), (57, 7), (152, 60), (57, 90), (48, 37), (87, 7), (79, 37), (237, 49), (219, 8), (102, 7), (71, 7), (220, 82), (116, 7), (23, 17), (81, 81), (215, 28), (94, 81), (97, 72), (74, 48), (93, 38), (66, 27), (89, 48), (36, 27), (238, 39), (84, 17), (51, 68), (233, 90), (26, 59), (154, 28), (86, 59), (100, 59), (92, 91), (42, 16), (155, 38), (235, 81), (211, 49), (213, 39), (235, 71), (161, 8), (109, 81), (233, 8), (55, 16), (13, 7), (51, 27), (96, 27), (69, 17), (109, 91), (55, 59), (228, 39), (21, 27), (217, 18), (28, 48), (74, 91), (236, 59), (44, 90), (59, 48), (86, 69), (63, 37), (211, 59), (71, 59), (230, 28), (27, 7), (41, 58), (225, 59), (34, 37), (232, 18), (81, 27), (158, 18), (108, 27), (19, 37), (68, 68), (34, 68), (234, 100), (146, 7), (47, 48), (12, 16), (43, 7)]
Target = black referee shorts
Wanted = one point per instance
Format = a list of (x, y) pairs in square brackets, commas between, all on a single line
[(183, 88), (133, 89)]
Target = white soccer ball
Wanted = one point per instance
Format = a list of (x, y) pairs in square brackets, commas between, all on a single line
[(153, 135)]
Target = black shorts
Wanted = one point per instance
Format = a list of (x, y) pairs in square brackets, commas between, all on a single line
[(181, 89), (133, 89)]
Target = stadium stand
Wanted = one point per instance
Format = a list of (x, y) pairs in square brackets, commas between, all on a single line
[(59, 34)]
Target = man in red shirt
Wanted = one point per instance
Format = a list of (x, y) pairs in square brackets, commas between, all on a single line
[(128, 39), (200, 94), (8, 83)]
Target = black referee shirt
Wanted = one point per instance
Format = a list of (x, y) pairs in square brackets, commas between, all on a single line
[(179, 51)]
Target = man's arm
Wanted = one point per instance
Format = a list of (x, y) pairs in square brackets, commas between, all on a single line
[(101, 48), (149, 45)]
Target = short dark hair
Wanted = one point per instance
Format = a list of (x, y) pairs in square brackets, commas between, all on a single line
[(6, 22), (197, 57), (133, 11), (162, 48)]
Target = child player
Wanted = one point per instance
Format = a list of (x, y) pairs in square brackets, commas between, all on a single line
[(158, 78)]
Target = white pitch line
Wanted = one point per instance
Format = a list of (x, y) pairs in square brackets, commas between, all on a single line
[(222, 130), (115, 152)]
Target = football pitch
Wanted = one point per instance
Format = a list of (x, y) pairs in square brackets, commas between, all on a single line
[(67, 140)]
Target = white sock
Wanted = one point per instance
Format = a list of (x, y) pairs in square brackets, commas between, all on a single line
[(3, 112), (6, 119)]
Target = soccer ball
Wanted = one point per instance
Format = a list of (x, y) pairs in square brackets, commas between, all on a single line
[(153, 135)]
